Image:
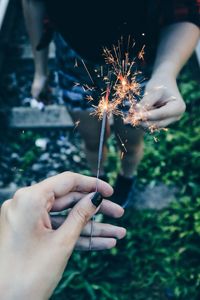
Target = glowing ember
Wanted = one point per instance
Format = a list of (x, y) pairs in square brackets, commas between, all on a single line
[(124, 85)]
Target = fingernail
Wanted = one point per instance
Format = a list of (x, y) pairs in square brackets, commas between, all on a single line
[(96, 199)]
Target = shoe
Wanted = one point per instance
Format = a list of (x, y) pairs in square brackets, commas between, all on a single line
[(123, 190)]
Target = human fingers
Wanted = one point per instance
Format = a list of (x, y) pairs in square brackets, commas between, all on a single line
[(99, 229), (96, 243), (78, 217), (67, 201), (47, 191), (67, 182), (151, 97), (104, 230), (111, 209), (172, 109), (158, 124), (107, 207), (44, 194)]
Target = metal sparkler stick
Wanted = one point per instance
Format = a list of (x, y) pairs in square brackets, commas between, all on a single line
[(102, 134), (100, 154)]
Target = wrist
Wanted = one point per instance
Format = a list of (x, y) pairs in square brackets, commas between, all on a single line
[(165, 69), (18, 285), (162, 76)]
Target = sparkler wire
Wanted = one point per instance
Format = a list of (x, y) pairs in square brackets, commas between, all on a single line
[(100, 154)]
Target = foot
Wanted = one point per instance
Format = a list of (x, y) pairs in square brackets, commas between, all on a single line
[(40, 89), (39, 85), (123, 190)]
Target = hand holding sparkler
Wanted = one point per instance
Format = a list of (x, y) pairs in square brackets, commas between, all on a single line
[(33, 254), (162, 101)]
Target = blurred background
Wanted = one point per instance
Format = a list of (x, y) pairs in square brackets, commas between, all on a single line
[(160, 257)]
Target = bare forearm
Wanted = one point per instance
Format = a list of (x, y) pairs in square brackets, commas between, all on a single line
[(34, 13), (177, 43)]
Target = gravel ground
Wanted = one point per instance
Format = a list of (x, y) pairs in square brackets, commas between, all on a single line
[(27, 157)]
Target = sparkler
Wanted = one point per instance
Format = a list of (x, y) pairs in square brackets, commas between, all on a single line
[(122, 89), (123, 86), (103, 114)]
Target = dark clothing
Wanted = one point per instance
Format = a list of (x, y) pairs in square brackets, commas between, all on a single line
[(181, 11), (89, 25)]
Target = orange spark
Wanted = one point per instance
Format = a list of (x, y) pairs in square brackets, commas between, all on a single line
[(141, 53), (124, 86)]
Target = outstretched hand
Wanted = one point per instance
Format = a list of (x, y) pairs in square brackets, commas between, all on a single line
[(33, 255)]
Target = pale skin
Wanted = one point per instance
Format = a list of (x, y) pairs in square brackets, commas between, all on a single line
[(33, 254), (162, 100), (34, 12)]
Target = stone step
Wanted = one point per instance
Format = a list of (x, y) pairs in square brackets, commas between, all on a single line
[(52, 116)]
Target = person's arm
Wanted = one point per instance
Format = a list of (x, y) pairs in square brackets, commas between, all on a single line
[(34, 13), (33, 255), (162, 98), (177, 43)]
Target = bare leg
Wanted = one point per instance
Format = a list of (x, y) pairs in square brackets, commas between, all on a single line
[(89, 129), (133, 141), (34, 13)]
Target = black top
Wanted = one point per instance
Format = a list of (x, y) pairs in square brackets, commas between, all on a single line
[(89, 25)]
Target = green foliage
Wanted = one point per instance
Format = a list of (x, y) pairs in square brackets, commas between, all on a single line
[(29, 152), (160, 257)]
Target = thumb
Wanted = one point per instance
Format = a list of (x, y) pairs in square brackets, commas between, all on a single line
[(78, 217)]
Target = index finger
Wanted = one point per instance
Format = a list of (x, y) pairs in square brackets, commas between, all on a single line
[(166, 111), (67, 182)]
